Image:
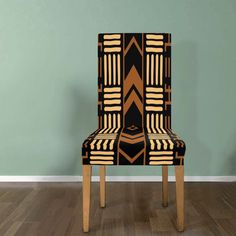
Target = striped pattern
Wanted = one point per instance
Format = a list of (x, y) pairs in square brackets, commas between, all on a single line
[(154, 99), (154, 43), (112, 99), (112, 43), (134, 103), (154, 69), (102, 157)]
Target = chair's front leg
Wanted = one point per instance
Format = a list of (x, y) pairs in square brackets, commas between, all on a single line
[(165, 186), (179, 175), (102, 173), (87, 169)]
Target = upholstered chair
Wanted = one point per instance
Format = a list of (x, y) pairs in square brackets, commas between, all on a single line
[(134, 114)]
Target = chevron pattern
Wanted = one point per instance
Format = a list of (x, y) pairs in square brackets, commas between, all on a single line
[(134, 103)]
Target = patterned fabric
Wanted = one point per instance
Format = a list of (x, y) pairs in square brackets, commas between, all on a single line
[(134, 103)]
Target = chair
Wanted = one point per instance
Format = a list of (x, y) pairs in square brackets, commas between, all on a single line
[(134, 114)]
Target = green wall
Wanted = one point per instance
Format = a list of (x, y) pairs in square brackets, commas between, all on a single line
[(48, 80)]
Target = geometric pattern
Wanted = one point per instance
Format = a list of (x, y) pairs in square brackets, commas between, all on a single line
[(134, 103)]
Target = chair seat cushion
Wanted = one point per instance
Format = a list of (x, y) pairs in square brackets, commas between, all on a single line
[(133, 146)]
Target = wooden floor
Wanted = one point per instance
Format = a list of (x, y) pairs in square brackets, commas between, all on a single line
[(132, 209)]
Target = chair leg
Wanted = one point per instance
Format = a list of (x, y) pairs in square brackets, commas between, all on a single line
[(102, 173), (179, 175), (87, 169), (165, 186)]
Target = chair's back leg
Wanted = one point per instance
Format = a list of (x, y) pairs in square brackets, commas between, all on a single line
[(87, 169), (179, 175), (102, 173), (165, 186)]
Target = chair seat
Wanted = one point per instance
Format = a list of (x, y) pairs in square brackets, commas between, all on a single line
[(133, 146)]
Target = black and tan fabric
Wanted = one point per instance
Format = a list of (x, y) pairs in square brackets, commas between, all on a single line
[(134, 103)]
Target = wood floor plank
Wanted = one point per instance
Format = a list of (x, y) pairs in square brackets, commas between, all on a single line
[(35, 209)]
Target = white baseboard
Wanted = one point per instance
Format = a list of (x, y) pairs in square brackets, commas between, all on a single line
[(78, 178)]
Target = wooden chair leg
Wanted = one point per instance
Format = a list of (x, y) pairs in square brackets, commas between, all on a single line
[(87, 169), (179, 175), (165, 186), (102, 173)]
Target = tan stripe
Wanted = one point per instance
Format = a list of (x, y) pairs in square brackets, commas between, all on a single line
[(158, 144), (161, 153), (152, 120), (111, 90), (101, 162), (102, 152), (114, 124), (105, 121), (153, 124), (156, 158), (114, 69), (117, 49), (118, 69), (108, 126), (151, 108), (160, 162), (161, 124), (152, 69), (105, 135), (101, 131), (116, 101), (152, 144), (149, 49), (101, 157), (152, 42), (151, 101), (159, 136), (104, 147), (118, 120), (161, 69), (118, 123), (154, 36), (154, 89), (113, 95), (114, 121), (157, 123), (147, 68), (157, 69), (154, 95), (109, 68), (165, 144), (111, 36), (99, 144), (117, 108), (113, 42), (109, 121), (171, 144), (92, 143), (105, 69), (111, 144)]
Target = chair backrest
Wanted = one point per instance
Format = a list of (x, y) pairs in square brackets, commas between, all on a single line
[(134, 80)]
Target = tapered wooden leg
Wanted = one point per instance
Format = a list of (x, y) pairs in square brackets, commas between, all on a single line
[(165, 186), (87, 169), (179, 175), (102, 173)]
